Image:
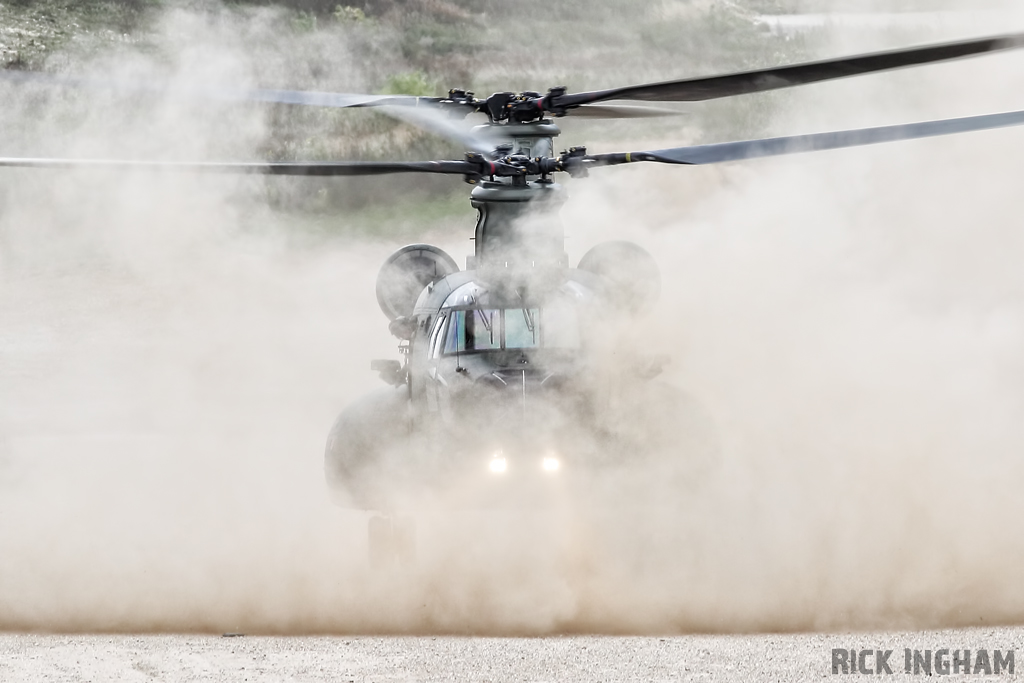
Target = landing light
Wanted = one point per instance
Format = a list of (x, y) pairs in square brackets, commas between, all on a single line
[(498, 464), (551, 464)]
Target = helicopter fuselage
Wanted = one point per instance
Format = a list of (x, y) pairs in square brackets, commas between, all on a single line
[(498, 375)]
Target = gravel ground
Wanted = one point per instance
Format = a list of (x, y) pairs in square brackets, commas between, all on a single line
[(31, 657)]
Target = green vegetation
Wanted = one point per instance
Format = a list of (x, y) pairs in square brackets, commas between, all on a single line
[(412, 83), (31, 31)]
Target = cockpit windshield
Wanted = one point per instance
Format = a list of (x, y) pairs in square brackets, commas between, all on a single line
[(521, 328), (488, 329), (474, 330)]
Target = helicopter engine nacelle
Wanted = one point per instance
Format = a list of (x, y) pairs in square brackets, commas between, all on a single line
[(631, 274), (404, 275)]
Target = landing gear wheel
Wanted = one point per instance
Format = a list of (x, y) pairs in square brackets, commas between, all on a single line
[(392, 541)]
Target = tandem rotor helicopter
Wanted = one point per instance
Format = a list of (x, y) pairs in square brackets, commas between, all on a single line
[(497, 391)]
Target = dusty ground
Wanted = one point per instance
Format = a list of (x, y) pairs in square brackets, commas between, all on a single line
[(29, 657)]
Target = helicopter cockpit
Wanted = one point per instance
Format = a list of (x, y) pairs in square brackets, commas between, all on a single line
[(474, 330), (470, 323)]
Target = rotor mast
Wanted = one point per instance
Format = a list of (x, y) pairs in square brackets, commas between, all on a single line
[(517, 216)]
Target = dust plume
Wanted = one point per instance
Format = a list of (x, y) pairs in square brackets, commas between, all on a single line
[(173, 350)]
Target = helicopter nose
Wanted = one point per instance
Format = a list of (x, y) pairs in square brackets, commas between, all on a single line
[(522, 374), (529, 395)]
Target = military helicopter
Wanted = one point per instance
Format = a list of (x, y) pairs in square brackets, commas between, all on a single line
[(496, 397)]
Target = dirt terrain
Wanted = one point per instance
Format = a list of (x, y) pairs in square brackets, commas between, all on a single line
[(363, 659)]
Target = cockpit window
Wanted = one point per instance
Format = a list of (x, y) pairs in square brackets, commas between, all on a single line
[(521, 328), (435, 337), (556, 326), (474, 330)]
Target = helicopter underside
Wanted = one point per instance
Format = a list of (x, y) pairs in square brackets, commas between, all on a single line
[(382, 456)]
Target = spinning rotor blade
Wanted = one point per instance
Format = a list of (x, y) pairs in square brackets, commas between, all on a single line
[(622, 111), (296, 168), (761, 80), (750, 149), (299, 97), (435, 121), (423, 112), (477, 166)]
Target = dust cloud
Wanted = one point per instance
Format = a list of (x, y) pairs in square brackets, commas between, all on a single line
[(173, 352)]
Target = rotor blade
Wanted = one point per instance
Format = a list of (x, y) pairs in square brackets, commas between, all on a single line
[(299, 97), (297, 168), (761, 80), (434, 120), (317, 99), (422, 112), (622, 111), (750, 149)]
